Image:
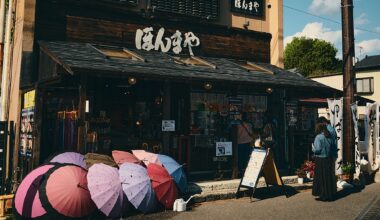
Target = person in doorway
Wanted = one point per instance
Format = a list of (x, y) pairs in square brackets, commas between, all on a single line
[(244, 139), (324, 183)]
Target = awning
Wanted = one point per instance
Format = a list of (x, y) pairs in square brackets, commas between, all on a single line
[(83, 58), (318, 102)]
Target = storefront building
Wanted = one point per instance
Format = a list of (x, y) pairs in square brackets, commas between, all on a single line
[(171, 79)]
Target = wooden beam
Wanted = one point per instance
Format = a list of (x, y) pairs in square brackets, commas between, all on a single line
[(135, 55), (56, 59), (204, 62), (259, 67)]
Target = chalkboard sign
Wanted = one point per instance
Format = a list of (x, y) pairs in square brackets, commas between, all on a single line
[(254, 167), (261, 163)]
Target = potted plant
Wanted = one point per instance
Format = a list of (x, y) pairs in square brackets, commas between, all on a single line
[(309, 167), (347, 169), (300, 172)]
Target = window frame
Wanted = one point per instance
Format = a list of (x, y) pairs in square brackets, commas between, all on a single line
[(371, 85)]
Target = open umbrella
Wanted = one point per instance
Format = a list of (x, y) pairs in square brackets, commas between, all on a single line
[(163, 185), (69, 158), (64, 192), (121, 157), (93, 158), (175, 170), (105, 189), (137, 187), (27, 202), (146, 157)]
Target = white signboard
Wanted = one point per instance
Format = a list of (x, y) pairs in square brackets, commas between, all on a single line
[(144, 40), (336, 119), (354, 109), (252, 172), (223, 149), (168, 125)]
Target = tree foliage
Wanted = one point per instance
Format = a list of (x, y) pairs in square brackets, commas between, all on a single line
[(311, 57)]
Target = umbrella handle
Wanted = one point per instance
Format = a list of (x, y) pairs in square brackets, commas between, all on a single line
[(82, 187)]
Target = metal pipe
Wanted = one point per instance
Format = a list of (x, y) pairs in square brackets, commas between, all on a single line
[(5, 78)]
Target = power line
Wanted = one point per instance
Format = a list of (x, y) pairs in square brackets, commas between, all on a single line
[(326, 19)]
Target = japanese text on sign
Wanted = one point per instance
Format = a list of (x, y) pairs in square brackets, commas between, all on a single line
[(144, 40), (253, 7)]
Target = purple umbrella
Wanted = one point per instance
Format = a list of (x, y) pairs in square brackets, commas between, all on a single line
[(137, 186), (70, 158), (106, 191)]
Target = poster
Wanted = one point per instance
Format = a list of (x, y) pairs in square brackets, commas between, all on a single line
[(336, 120), (223, 149), (291, 109), (26, 133), (252, 172), (354, 109), (168, 125)]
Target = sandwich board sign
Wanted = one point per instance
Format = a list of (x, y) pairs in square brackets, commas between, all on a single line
[(261, 163)]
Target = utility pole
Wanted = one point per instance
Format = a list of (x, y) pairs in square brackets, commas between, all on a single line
[(348, 80)]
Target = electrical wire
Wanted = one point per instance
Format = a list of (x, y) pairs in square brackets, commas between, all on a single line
[(327, 19)]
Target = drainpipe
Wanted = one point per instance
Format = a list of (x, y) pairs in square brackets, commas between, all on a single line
[(5, 78)]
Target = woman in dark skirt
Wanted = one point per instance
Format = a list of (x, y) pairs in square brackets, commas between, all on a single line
[(324, 184)]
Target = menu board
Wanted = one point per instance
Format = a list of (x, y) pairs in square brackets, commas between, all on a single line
[(255, 164)]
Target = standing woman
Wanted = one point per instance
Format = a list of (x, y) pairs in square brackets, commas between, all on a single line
[(324, 184)]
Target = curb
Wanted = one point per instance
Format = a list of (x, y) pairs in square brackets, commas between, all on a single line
[(221, 190)]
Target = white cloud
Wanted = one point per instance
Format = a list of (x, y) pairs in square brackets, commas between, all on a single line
[(369, 46), (327, 7), (362, 19), (317, 30)]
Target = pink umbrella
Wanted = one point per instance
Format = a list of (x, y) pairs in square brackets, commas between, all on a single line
[(146, 157), (106, 191), (27, 201), (121, 157), (65, 192)]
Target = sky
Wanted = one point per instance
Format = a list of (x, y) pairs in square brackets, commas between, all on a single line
[(298, 22)]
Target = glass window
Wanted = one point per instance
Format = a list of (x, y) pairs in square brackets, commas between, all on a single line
[(365, 85)]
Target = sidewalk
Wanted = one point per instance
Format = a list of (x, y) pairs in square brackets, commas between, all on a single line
[(218, 190)]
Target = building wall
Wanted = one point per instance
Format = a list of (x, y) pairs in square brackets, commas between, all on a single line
[(336, 82), (272, 23)]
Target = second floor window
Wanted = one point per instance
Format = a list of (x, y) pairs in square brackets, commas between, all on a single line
[(364, 85)]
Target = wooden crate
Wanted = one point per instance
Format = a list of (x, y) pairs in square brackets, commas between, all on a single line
[(5, 204)]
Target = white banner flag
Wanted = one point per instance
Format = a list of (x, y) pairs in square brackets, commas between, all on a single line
[(372, 117), (354, 110), (336, 120)]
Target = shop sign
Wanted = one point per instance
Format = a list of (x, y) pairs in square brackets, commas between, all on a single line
[(168, 125), (29, 99), (250, 7), (144, 40), (223, 149)]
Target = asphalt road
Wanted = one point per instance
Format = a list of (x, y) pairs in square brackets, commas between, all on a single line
[(302, 205)]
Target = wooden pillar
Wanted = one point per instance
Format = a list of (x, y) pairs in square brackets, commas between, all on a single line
[(234, 137), (82, 113), (167, 116)]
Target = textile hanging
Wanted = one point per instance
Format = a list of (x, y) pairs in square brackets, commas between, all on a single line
[(336, 120)]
